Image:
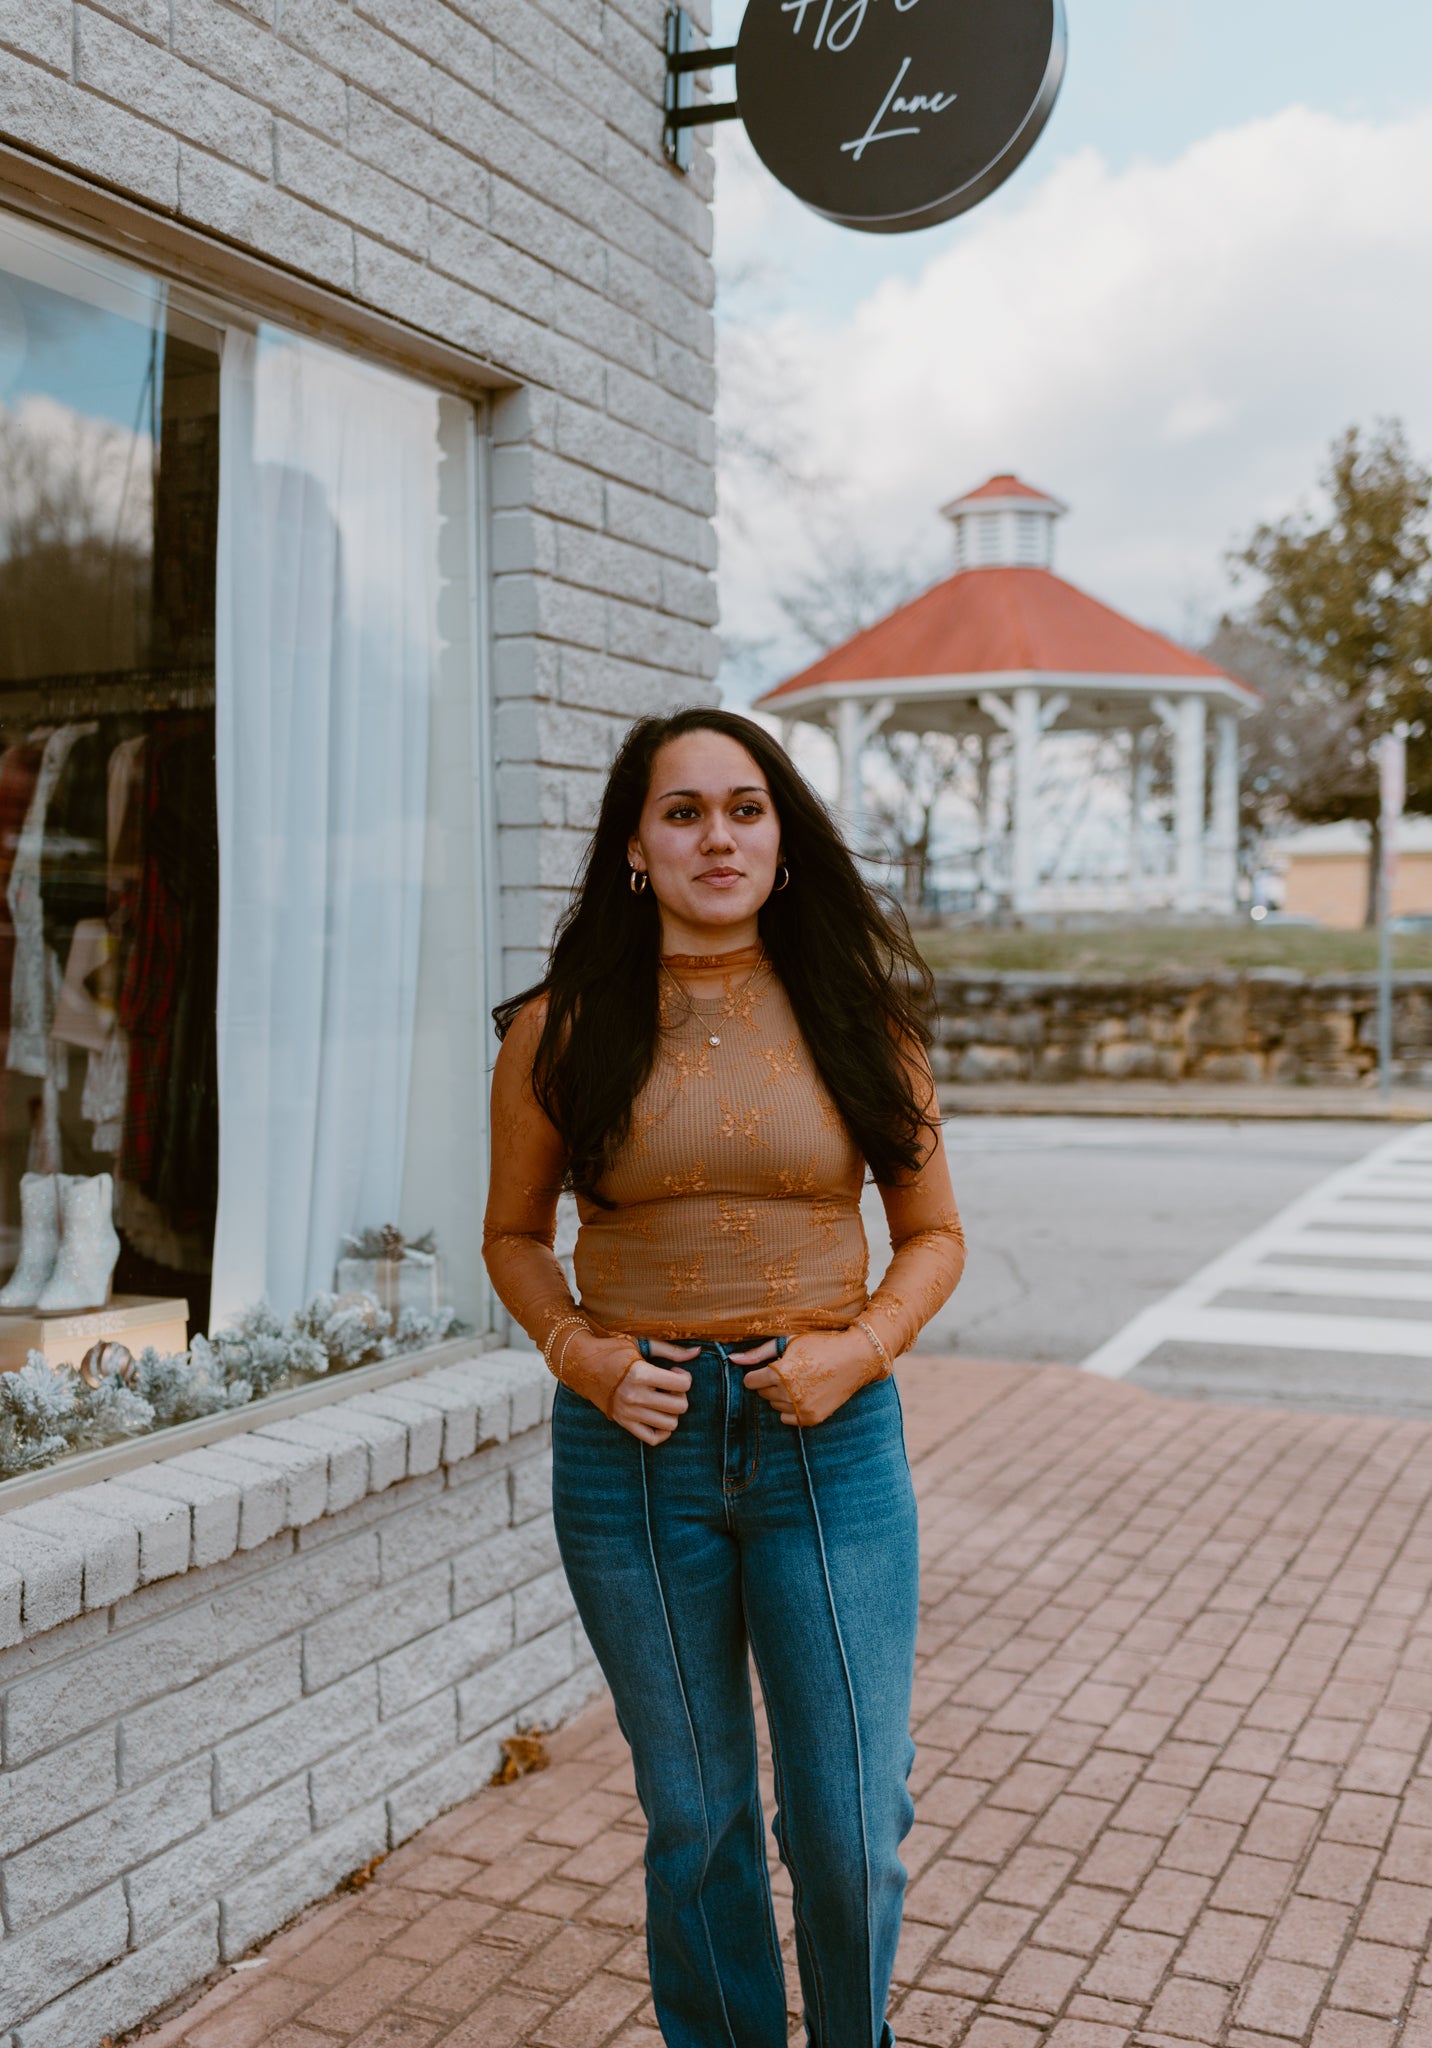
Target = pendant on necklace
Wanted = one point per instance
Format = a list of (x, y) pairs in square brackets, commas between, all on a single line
[(713, 1039)]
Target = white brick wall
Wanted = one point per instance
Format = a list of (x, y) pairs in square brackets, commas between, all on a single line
[(237, 1675), (230, 1678), (489, 171)]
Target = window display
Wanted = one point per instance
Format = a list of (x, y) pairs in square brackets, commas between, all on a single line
[(240, 904)]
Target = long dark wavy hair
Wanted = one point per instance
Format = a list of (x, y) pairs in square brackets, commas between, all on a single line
[(858, 987)]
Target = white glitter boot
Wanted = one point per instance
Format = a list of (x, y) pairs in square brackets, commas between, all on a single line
[(39, 1240), (89, 1245)]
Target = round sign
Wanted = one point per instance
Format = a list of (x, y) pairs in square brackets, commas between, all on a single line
[(896, 114)]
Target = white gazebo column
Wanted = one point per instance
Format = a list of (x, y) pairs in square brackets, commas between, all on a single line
[(1186, 718), (1025, 719), (1024, 864), (847, 740), (1222, 874), (854, 724), (1140, 775), (985, 891)]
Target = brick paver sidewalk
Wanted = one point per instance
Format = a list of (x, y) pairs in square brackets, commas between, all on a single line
[(1173, 1783)]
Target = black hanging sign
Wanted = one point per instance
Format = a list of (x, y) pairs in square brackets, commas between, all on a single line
[(884, 115)]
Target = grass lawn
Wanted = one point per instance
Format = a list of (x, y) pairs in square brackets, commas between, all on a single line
[(1136, 950)]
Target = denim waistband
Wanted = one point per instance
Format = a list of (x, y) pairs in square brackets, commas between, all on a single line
[(723, 1344)]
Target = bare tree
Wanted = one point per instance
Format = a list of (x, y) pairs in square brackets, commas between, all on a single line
[(926, 768), (76, 502), (846, 589), (1301, 752), (760, 443)]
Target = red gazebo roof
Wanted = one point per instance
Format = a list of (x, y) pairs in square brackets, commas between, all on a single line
[(990, 622), (1006, 485)]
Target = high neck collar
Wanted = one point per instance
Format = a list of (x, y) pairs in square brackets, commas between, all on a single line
[(740, 962)]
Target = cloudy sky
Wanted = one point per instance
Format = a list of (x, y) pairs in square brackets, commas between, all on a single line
[(1217, 257)]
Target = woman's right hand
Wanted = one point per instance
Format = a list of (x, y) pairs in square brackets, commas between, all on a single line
[(643, 1398), (651, 1400)]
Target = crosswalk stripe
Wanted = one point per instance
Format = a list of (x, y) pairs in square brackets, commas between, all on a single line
[(1348, 1225), (1315, 1238), (1373, 1336), (1267, 1277), (1352, 1210)]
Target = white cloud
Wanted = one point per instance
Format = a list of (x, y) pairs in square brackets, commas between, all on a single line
[(67, 476), (1170, 348)]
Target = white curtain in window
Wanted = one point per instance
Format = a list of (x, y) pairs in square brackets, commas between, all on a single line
[(326, 640)]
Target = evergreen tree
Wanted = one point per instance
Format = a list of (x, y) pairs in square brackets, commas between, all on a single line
[(1347, 602)]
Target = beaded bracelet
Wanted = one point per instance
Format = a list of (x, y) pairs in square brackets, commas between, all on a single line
[(880, 1352)]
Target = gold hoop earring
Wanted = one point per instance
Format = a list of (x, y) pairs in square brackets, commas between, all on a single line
[(785, 875), (638, 882)]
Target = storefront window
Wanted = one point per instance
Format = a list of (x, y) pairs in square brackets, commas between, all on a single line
[(240, 988)]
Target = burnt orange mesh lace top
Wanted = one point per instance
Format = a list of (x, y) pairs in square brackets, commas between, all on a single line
[(736, 1199)]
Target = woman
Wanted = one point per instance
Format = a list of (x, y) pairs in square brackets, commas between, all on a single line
[(729, 1033)]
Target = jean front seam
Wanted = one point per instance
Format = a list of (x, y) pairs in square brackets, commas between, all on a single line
[(821, 2032), (876, 2027), (695, 1747)]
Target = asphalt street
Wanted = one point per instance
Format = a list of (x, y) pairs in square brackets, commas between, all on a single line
[(1077, 1224)]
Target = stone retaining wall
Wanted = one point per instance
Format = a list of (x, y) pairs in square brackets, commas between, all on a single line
[(1270, 1026), (240, 1673)]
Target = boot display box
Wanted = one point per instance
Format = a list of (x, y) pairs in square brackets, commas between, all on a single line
[(134, 1320)]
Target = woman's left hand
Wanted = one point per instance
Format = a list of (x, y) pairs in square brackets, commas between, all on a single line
[(816, 1375)]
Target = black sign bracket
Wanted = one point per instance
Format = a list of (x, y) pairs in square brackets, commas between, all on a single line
[(683, 61)]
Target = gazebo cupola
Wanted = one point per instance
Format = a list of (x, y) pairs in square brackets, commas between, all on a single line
[(1005, 524)]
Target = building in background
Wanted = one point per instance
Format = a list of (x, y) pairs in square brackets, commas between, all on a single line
[(1008, 652), (356, 486), (1323, 871)]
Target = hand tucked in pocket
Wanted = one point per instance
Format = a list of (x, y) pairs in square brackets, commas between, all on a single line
[(816, 1375), (643, 1397)]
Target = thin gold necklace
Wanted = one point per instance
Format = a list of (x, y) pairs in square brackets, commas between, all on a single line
[(712, 1037)]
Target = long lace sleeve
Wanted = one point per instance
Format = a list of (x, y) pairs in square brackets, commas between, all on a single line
[(528, 1162), (925, 1235)]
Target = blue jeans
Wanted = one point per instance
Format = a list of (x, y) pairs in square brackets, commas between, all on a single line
[(740, 1534)]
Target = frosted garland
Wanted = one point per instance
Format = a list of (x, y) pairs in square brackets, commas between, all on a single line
[(48, 1411)]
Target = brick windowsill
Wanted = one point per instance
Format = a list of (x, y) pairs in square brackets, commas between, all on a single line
[(191, 1495)]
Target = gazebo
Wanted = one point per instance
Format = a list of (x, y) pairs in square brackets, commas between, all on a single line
[(1006, 650)]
